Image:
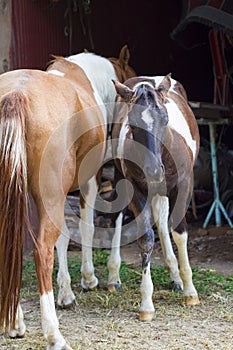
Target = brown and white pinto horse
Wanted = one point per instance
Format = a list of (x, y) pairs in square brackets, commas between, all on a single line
[(49, 122), (155, 143)]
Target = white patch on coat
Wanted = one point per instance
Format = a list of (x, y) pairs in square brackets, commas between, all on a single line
[(186, 273), (160, 208), (56, 72), (178, 123), (158, 78), (65, 293), (100, 73), (89, 280), (146, 291), (114, 261), (122, 137), (148, 119), (49, 321)]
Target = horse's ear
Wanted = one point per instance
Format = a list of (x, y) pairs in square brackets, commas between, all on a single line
[(124, 56), (165, 85), (123, 90)]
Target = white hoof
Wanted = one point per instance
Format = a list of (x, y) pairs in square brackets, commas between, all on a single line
[(93, 283), (66, 299)]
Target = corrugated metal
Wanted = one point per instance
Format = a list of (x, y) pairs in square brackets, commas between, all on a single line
[(38, 32)]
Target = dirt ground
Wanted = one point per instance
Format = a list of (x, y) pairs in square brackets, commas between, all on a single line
[(175, 327)]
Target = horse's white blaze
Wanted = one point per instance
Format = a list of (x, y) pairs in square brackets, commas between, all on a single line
[(114, 261), (50, 322), (20, 327), (122, 136), (65, 293), (56, 72), (147, 118), (100, 73), (87, 232), (146, 291), (178, 123), (185, 269), (160, 208)]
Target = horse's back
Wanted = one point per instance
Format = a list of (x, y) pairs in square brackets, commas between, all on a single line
[(58, 115)]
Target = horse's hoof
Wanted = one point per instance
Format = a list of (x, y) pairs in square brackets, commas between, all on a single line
[(66, 347), (93, 285), (70, 306), (192, 300), (90, 289), (17, 336), (146, 316), (18, 332), (116, 287), (176, 287)]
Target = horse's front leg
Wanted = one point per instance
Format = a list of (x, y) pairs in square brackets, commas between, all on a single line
[(146, 312), (146, 244), (87, 203), (66, 297), (180, 236), (114, 261), (18, 331), (160, 207)]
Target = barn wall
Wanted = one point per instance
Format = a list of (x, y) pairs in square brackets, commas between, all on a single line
[(39, 29), (5, 34), (146, 26), (38, 32)]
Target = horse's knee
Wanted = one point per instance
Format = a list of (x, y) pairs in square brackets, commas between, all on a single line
[(146, 244)]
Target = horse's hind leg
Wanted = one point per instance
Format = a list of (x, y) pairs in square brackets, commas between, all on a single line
[(66, 297), (87, 203), (19, 329), (160, 207), (51, 222)]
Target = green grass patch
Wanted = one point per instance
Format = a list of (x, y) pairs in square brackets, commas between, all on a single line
[(207, 282)]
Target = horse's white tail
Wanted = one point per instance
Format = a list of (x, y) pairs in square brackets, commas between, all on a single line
[(13, 203)]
